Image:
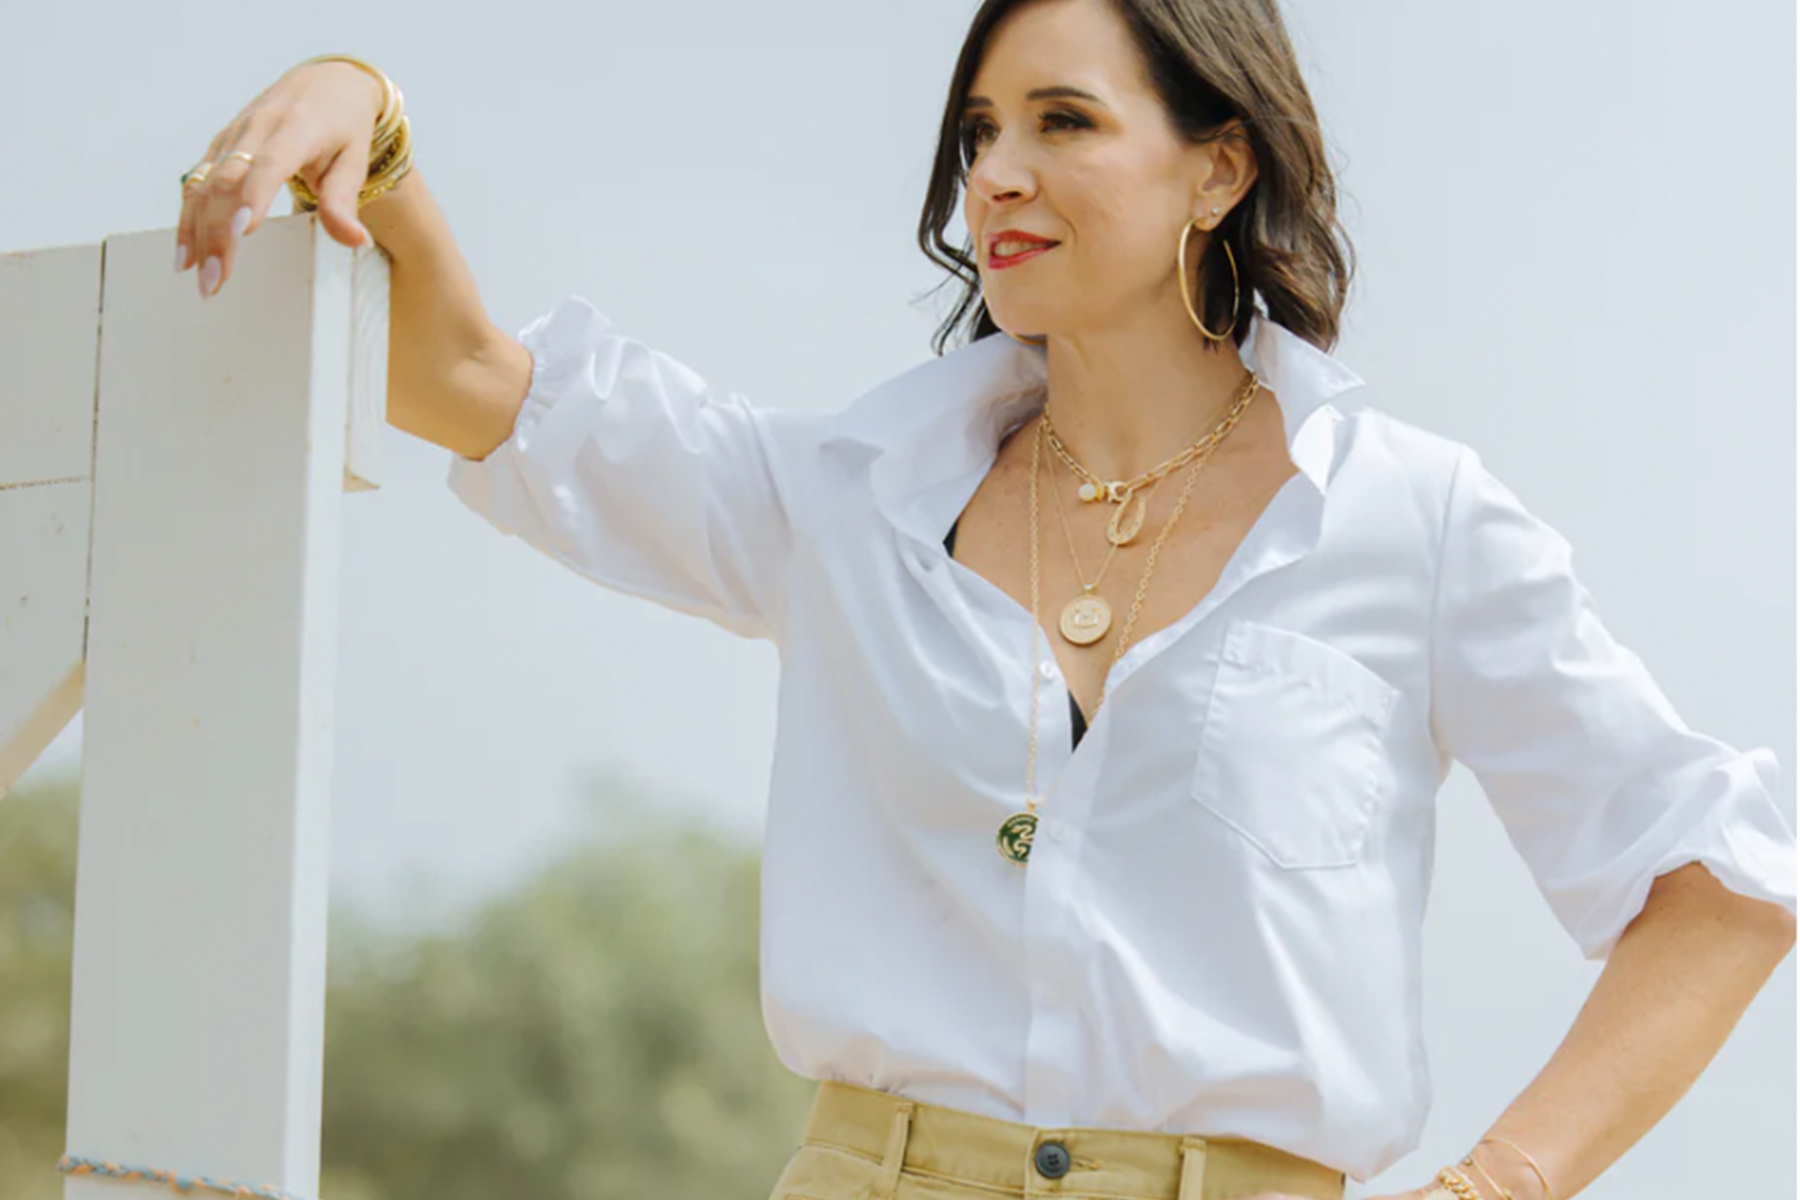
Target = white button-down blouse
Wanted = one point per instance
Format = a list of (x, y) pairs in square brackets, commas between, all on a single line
[(1218, 930)]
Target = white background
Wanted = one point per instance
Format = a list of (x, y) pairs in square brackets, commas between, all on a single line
[(1575, 234)]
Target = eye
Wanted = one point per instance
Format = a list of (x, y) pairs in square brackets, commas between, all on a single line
[(976, 130)]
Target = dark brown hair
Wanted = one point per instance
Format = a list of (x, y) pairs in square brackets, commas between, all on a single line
[(1208, 61)]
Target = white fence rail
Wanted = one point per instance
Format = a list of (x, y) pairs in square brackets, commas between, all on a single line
[(170, 474)]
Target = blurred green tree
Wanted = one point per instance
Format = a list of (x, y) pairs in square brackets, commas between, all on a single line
[(594, 1033)]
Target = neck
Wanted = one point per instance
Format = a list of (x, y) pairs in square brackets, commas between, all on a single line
[(1125, 399)]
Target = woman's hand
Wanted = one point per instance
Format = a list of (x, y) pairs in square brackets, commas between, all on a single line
[(317, 121)]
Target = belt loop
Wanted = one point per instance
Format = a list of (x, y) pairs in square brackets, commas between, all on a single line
[(895, 1155), (1193, 1169)]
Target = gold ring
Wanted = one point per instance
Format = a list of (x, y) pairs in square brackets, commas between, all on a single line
[(196, 174), (243, 154)]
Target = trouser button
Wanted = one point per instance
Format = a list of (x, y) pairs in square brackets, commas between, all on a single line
[(1052, 1159)]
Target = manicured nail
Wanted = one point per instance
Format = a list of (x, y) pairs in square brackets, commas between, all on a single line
[(181, 257), (209, 276), (240, 221)]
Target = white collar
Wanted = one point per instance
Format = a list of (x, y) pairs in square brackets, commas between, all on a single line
[(935, 424)]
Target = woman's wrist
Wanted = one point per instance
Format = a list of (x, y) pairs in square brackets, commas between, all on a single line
[(1488, 1172)]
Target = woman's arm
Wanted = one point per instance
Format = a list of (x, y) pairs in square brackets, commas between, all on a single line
[(454, 377), (1673, 989), (1658, 847)]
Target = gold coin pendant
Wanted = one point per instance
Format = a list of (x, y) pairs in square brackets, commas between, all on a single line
[(1014, 838), (1085, 619)]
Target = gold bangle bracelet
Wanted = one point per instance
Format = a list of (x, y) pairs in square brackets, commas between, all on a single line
[(1549, 1192), (390, 152), (1500, 1190), (389, 117)]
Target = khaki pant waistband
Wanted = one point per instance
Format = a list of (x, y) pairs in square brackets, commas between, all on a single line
[(989, 1153)]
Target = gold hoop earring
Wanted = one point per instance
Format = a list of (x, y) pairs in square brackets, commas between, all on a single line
[(1029, 341), (1187, 297)]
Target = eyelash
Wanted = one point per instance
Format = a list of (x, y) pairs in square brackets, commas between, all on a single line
[(972, 129)]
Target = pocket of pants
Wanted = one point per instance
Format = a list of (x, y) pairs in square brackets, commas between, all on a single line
[(1293, 746), (820, 1172)]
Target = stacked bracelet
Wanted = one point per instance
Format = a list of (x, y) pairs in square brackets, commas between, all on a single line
[(390, 150), (1451, 1182), (1549, 1192)]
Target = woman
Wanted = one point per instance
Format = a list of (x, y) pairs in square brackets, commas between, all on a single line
[(1103, 872)]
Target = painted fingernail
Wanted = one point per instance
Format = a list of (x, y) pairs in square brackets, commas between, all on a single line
[(209, 276), (181, 257), (240, 221)]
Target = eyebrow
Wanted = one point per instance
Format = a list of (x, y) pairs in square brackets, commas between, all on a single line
[(1061, 92)]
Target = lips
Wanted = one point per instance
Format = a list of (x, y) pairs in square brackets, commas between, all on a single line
[(996, 240), (1018, 247)]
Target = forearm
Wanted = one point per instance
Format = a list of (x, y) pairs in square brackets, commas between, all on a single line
[(453, 377), (1673, 989)]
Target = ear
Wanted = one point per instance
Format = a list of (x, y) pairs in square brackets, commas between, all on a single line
[(1227, 169)]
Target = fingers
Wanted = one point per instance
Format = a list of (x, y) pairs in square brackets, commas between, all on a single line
[(232, 202), (208, 207), (337, 193), (193, 200), (316, 124)]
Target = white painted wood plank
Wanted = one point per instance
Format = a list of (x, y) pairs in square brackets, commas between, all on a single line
[(49, 334), (43, 617), (368, 371), (199, 969), (49, 338)]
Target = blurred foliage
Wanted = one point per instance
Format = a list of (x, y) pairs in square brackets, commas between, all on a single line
[(595, 1033)]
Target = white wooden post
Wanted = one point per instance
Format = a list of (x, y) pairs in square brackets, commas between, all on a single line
[(170, 473)]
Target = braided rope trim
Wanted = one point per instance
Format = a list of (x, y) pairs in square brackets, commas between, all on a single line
[(70, 1164)]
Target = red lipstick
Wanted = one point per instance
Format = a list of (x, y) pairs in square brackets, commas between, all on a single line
[(1026, 246)]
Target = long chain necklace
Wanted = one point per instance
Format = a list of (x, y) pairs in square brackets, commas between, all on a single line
[(1017, 831), (1128, 518)]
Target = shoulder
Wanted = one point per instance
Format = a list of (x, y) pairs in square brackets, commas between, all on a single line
[(1424, 458)]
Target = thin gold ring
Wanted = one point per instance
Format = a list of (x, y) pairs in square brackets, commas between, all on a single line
[(243, 154)]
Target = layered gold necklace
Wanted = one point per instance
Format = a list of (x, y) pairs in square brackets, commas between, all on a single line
[(1017, 832), (1087, 618)]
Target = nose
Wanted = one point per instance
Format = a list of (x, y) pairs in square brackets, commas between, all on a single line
[(1000, 173)]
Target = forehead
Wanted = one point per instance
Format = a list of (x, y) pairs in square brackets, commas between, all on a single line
[(1080, 43)]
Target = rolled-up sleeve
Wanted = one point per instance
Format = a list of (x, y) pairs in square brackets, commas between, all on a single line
[(626, 467), (1599, 783)]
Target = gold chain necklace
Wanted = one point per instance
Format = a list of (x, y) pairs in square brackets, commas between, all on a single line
[(1017, 831), (1128, 519), (1087, 618)]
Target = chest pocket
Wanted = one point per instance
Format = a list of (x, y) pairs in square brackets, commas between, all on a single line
[(1293, 746)]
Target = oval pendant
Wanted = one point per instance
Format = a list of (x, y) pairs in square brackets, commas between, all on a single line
[(1127, 520), (1085, 619), (1014, 838)]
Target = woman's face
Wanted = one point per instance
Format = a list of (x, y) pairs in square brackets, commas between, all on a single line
[(1103, 174)]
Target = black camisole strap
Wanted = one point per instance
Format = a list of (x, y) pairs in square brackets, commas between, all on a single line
[(1076, 720)]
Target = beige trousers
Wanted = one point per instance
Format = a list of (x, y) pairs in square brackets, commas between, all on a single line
[(863, 1144)]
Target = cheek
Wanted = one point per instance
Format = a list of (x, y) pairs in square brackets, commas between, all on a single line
[(1117, 222)]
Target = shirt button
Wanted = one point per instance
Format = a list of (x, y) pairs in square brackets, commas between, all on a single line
[(1046, 670), (1052, 1159)]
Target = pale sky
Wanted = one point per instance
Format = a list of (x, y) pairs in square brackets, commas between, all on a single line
[(1575, 231)]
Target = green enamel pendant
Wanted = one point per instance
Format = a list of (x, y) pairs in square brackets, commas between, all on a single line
[(1014, 838)]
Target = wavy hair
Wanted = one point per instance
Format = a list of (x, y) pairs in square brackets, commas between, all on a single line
[(1208, 61)]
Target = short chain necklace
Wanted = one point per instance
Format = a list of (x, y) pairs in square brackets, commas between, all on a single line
[(1017, 831), (1128, 519)]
